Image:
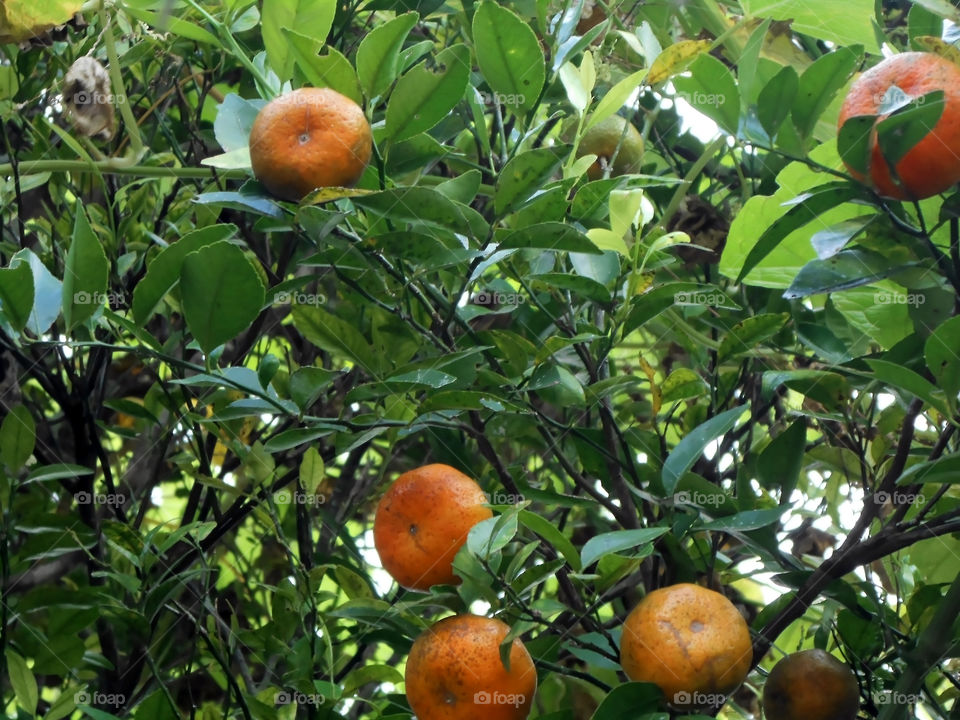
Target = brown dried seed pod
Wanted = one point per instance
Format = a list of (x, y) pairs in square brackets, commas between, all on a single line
[(88, 99)]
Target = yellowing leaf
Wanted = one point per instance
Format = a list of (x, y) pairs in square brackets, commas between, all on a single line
[(939, 47), (675, 59), (24, 19), (655, 395)]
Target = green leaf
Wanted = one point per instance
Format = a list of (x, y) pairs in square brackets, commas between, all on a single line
[(830, 241), (167, 22), (806, 208), (57, 472), (647, 306), (378, 56), (685, 454), (780, 463), (908, 125), (222, 293), (16, 295), (47, 293), (312, 470), (612, 542), (745, 521), (712, 90), (841, 23), (549, 236), (747, 334), (310, 18), (615, 98), (492, 535), (942, 353), (23, 682), (582, 286), (307, 383), (509, 54), (552, 535), (906, 379), (820, 83), (942, 470), (854, 142), (163, 272), (524, 175), (424, 206), (332, 69), (330, 333), (425, 95), (85, 274), (776, 99), (18, 436), (682, 384), (557, 385), (847, 269), (632, 701)]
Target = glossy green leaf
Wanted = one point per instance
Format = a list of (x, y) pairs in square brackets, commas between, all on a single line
[(776, 99), (847, 269), (747, 334), (16, 295), (222, 293), (85, 274), (942, 353), (378, 56), (427, 93), (549, 236), (613, 542), (552, 535), (509, 55), (18, 436), (524, 175), (23, 682), (806, 208), (312, 19), (688, 450), (163, 272), (712, 90), (331, 69)]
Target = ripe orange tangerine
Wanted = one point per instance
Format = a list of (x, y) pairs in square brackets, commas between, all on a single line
[(309, 138), (933, 164)]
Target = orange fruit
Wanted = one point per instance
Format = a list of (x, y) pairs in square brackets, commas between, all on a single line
[(690, 641), (602, 140), (309, 138), (423, 520), (811, 685), (454, 672), (933, 164)]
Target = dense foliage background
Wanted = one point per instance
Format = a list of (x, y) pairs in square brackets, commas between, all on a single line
[(739, 368)]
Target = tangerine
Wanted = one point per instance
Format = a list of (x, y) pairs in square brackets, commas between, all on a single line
[(423, 520), (811, 685), (604, 138), (309, 138), (454, 672), (933, 164), (690, 641)]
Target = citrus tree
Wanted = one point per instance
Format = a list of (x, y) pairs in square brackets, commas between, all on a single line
[(610, 260)]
